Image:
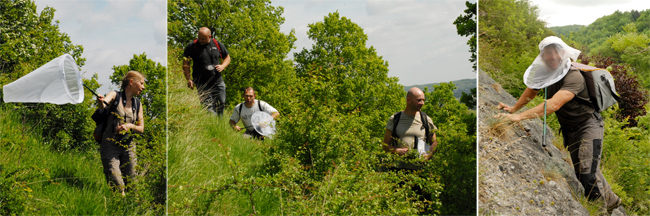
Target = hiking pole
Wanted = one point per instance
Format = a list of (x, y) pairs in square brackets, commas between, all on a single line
[(91, 91), (544, 129)]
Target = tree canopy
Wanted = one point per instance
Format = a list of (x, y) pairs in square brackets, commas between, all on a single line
[(250, 30)]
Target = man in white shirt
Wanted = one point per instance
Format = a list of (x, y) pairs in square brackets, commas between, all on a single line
[(245, 110)]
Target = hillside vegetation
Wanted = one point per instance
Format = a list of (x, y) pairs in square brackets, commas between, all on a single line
[(622, 36), (334, 100), (49, 160), (509, 34)]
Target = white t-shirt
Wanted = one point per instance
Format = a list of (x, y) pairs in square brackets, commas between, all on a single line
[(246, 113)]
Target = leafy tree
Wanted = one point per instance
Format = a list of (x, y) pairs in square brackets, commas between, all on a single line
[(348, 76), (509, 34), (455, 159), (29, 40), (469, 99), (251, 32), (466, 26)]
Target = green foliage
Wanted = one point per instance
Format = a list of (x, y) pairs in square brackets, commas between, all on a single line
[(469, 99), (622, 36), (341, 73), (509, 34), (466, 26), (326, 157), (29, 39), (250, 30), (625, 160), (455, 159), (41, 181)]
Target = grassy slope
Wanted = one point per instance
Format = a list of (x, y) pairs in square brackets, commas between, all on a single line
[(66, 183), (207, 160)]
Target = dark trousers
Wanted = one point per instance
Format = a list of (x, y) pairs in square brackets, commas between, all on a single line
[(255, 135), (212, 92), (585, 143)]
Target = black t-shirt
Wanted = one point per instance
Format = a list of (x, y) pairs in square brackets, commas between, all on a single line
[(204, 55)]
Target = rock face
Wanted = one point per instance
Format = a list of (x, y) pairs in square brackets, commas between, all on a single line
[(516, 175)]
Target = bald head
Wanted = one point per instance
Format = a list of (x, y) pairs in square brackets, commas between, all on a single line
[(414, 99), (415, 91), (204, 35)]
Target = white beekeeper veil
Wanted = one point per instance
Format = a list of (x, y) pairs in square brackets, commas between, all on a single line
[(552, 63), (57, 82)]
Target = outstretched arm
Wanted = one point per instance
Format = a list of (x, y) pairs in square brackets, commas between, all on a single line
[(555, 103), (526, 97)]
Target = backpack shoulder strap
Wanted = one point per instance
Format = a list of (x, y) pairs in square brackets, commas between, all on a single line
[(116, 101), (259, 105), (396, 117), (136, 109), (425, 122), (240, 106), (216, 43)]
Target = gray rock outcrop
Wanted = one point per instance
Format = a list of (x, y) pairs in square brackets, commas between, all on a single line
[(516, 174)]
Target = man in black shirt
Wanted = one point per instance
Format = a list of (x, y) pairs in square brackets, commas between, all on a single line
[(205, 54)]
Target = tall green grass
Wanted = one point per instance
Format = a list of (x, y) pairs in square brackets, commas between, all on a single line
[(36, 180), (211, 167)]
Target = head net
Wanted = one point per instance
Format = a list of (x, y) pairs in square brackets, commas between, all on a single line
[(552, 63)]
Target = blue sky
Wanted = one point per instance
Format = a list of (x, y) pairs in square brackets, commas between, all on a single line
[(111, 32), (417, 38), (583, 12)]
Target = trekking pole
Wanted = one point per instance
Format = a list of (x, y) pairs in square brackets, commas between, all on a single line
[(91, 91), (544, 129)]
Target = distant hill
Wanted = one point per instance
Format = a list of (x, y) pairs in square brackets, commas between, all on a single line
[(596, 33), (566, 30), (463, 85)]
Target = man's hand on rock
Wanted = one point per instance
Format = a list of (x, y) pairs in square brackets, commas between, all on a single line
[(506, 108)]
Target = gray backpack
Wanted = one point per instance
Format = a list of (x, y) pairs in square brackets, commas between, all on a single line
[(600, 85)]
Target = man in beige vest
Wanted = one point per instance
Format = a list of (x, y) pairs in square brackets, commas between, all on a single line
[(410, 131)]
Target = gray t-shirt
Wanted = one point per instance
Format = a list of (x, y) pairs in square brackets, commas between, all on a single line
[(246, 113), (408, 128), (577, 109)]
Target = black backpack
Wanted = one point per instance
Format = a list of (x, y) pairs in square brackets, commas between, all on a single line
[(100, 116), (425, 122)]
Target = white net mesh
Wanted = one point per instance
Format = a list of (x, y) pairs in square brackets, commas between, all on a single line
[(57, 82)]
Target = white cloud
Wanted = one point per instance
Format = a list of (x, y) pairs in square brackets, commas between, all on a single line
[(111, 32), (583, 12), (417, 38)]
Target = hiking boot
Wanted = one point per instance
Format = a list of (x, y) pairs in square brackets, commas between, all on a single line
[(616, 204)]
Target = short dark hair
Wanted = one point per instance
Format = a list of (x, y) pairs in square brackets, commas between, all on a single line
[(249, 89)]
